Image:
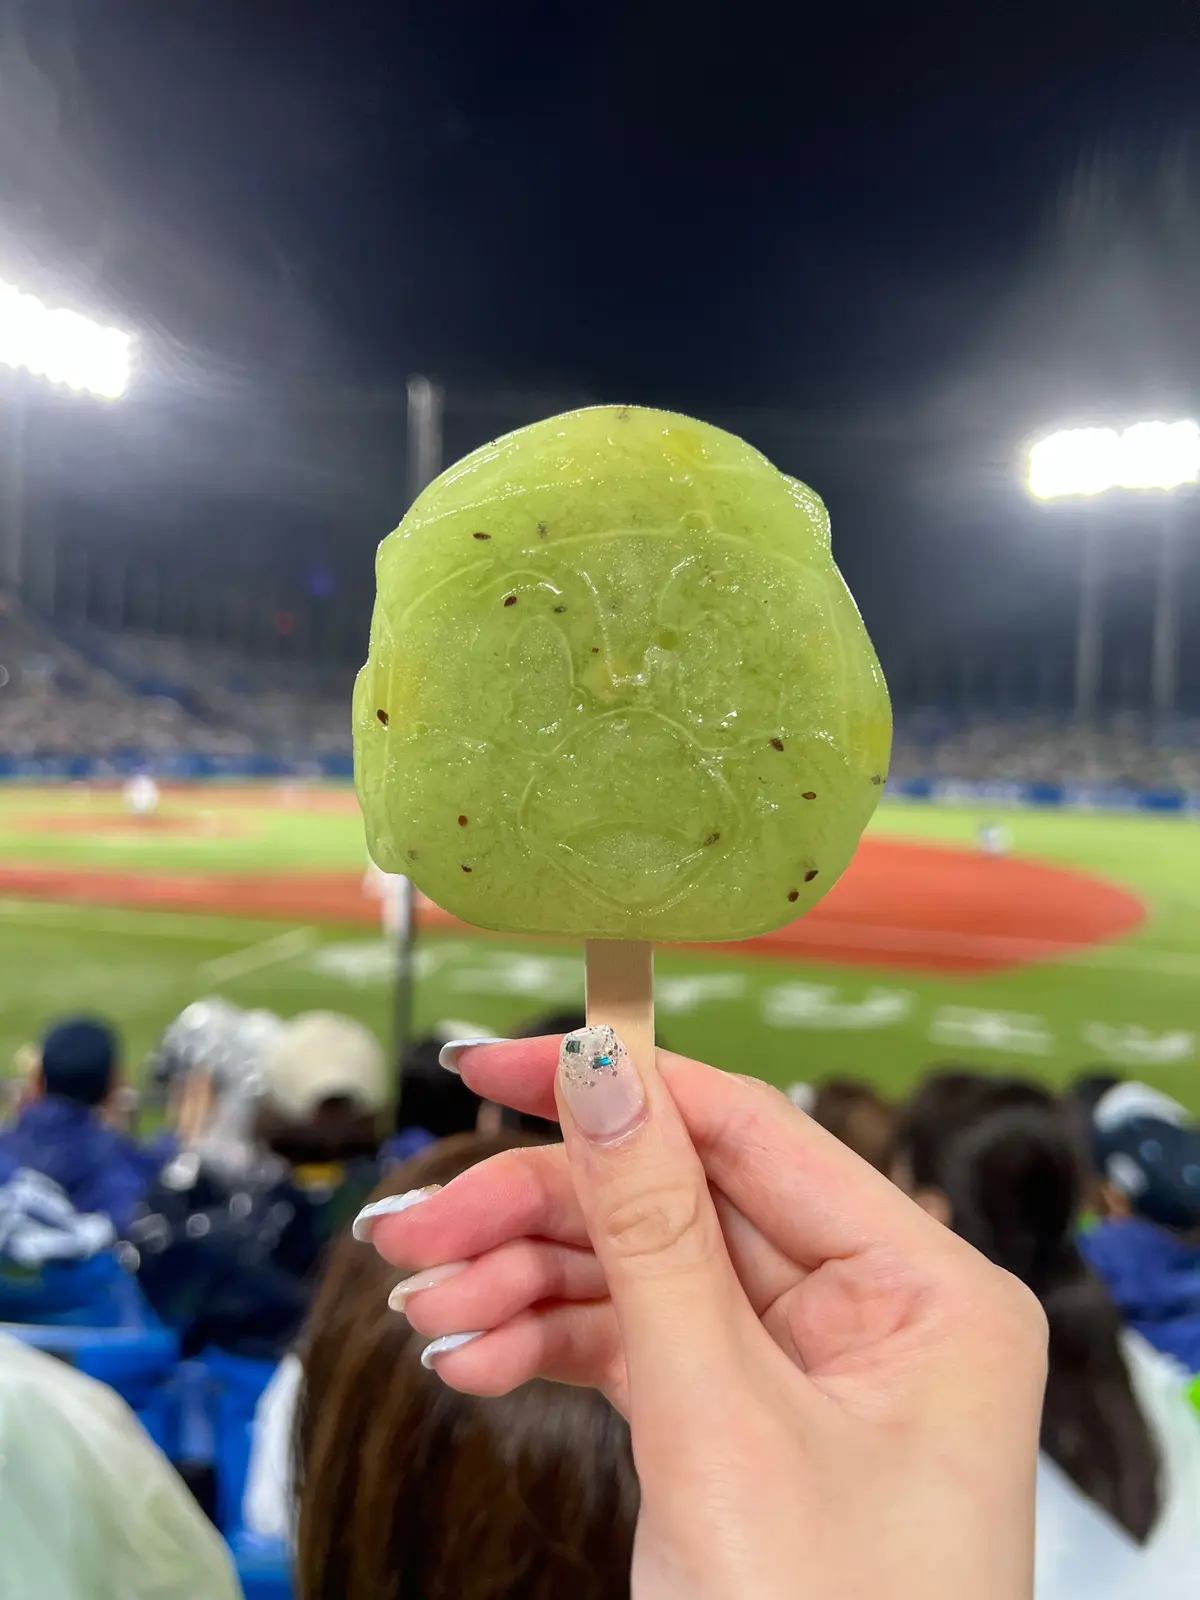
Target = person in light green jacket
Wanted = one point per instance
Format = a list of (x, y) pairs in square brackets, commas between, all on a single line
[(90, 1509)]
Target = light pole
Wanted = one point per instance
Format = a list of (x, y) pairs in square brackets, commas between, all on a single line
[(1089, 632), (425, 403), (1088, 462), (64, 348), (1165, 647)]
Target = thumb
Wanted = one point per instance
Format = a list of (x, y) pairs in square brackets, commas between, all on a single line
[(652, 1223)]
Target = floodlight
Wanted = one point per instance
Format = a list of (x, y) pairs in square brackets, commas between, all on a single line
[(63, 346), (1090, 461)]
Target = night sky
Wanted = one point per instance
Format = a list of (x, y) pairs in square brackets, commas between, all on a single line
[(885, 243)]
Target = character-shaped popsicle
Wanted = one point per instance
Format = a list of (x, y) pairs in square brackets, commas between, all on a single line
[(617, 688)]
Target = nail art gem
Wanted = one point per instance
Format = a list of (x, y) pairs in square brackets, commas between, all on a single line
[(591, 1054)]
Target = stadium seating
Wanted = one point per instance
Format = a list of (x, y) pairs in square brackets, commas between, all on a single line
[(74, 691), (55, 701), (95, 1293), (284, 708), (138, 1362), (92, 1315), (263, 1567), (236, 1384), (1126, 750)]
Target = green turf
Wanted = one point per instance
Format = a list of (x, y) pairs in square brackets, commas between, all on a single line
[(1134, 1005), (247, 836)]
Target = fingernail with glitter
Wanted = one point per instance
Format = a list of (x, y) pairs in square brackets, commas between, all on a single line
[(389, 1206), (600, 1084)]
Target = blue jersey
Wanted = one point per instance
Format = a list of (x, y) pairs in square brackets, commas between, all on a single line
[(98, 1168), (1153, 1276)]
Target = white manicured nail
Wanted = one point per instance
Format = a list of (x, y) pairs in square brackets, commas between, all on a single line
[(389, 1206), (451, 1052), (444, 1345), (421, 1281), (803, 1096)]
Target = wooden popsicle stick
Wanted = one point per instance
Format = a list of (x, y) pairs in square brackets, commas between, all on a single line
[(620, 993)]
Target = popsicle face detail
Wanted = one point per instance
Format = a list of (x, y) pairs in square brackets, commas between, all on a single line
[(617, 688)]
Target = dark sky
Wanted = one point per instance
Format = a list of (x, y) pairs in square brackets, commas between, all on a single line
[(884, 242)]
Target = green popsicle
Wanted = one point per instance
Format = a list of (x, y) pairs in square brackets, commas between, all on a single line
[(617, 688)]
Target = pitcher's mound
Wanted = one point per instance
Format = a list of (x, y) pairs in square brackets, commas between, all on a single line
[(170, 824)]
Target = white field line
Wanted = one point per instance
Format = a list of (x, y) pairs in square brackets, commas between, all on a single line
[(854, 938), (864, 937), (268, 953), (145, 923)]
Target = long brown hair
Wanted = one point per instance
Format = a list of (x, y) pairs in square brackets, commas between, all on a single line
[(1004, 1156), (410, 1491)]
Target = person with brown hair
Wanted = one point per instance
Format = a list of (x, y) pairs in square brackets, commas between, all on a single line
[(858, 1115), (410, 1491), (998, 1162)]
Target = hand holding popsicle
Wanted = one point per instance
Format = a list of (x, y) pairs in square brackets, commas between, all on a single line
[(617, 689), (819, 1379)]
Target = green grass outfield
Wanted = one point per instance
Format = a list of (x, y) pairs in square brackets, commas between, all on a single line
[(1134, 1005)]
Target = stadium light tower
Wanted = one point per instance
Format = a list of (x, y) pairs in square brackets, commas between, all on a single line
[(64, 348), (426, 403), (1088, 462)]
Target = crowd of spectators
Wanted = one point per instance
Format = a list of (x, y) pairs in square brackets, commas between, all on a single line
[(234, 1221), (87, 693), (291, 708), (56, 701), (1122, 751)]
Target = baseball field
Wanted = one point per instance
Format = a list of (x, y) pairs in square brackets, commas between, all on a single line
[(1079, 946)]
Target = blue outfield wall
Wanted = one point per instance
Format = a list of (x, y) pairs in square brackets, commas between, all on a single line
[(191, 768), (1077, 796), (181, 768)]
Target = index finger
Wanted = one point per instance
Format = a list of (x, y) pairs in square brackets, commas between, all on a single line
[(518, 1073), (808, 1193), (518, 1193)]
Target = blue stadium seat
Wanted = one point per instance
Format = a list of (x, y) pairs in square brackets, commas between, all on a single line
[(138, 1362), (193, 1419), (96, 1293), (264, 1566), (237, 1383), (92, 1315)]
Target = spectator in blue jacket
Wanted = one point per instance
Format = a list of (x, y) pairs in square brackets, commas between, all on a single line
[(63, 1130), (1146, 1247)]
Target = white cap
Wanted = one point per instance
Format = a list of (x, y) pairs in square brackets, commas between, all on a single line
[(1127, 1102), (323, 1056)]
